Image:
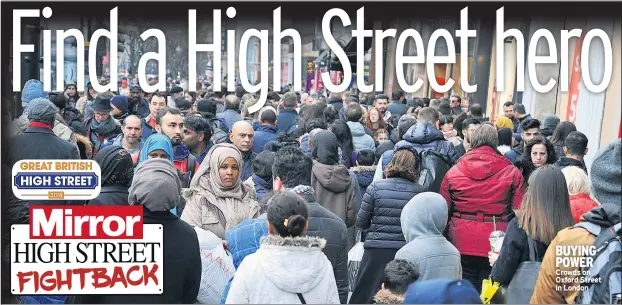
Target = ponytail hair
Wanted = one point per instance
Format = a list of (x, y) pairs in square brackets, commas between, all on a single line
[(288, 214)]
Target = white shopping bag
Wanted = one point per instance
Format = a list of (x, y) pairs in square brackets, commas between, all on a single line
[(217, 267), (355, 255)]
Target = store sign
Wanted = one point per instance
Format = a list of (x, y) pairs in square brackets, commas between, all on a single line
[(575, 82)]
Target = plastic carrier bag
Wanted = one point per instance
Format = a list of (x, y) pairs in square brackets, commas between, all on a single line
[(217, 267), (355, 255)]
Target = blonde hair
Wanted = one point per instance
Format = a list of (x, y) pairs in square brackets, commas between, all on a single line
[(248, 101), (576, 180)]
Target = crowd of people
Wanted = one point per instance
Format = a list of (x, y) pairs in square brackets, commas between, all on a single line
[(291, 188)]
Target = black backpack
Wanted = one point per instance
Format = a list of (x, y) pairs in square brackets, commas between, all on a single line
[(433, 165)]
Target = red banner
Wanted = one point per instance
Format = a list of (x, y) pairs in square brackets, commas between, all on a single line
[(575, 82)]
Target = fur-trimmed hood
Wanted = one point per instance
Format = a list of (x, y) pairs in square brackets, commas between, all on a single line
[(301, 242), (384, 296), (293, 264), (363, 169)]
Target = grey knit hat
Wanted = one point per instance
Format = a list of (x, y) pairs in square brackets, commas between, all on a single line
[(41, 110), (606, 174)]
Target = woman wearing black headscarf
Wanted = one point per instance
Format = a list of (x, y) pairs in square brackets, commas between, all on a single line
[(333, 184), (117, 171), (344, 140)]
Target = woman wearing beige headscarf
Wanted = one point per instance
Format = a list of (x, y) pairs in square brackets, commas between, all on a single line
[(217, 199)]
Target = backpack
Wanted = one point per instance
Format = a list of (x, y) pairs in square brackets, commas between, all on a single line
[(434, 164), (602, 279), (219, 136)]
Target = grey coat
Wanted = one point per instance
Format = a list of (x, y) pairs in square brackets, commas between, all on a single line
[(423, 220)]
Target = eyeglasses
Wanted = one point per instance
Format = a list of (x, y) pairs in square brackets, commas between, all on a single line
[(101, 115)]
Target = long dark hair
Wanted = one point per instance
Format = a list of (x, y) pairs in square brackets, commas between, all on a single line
[(525, 163), (308, 113), (331, 114), (562, 131), (344, 137), (545, 209), (458, 123)]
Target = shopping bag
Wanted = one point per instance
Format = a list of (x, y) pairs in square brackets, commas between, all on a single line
[(355, 255), (492, 292), (523, 282), (216, 267)]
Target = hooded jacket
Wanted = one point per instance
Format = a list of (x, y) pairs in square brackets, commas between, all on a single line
[(421, 136), (481, 186), (423, 221), (360, 138), (364, 176), (282, 268), (335, 190), (381, 209)]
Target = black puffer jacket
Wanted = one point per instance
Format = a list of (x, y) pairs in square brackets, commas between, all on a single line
[(381, 209), (323, 223)]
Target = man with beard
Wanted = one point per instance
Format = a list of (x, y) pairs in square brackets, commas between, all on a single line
[(381, 103), (197, 136), (170, 123), (130, 138), (138, 105)]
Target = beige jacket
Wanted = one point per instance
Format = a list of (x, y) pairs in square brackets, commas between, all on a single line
[(218, 217), (60, 129)]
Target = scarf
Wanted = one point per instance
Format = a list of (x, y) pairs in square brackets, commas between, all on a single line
[(104, 128), (154, 142), (156, 186), (303, 190), (116, 166), (234, 203), (325, 148)]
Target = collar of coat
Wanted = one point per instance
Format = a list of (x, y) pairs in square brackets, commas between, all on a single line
[(299, 242), (384, 296)]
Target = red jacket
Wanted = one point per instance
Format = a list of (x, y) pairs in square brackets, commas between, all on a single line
[(581, 204), (483, 184)]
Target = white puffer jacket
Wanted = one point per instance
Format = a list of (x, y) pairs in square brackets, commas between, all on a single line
[(281, 268)]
